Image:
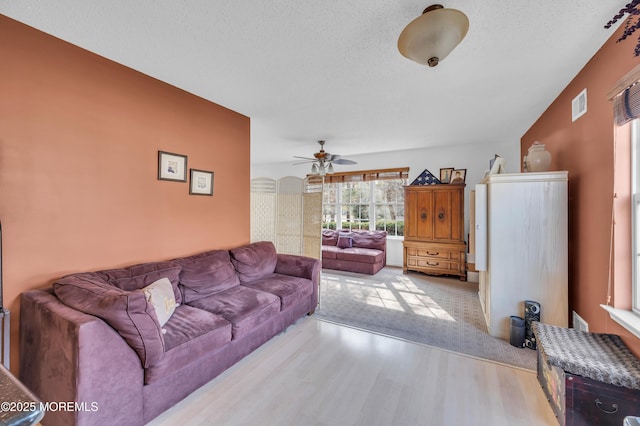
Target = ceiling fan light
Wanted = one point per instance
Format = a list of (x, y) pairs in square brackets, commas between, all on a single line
[(322, 171), (314, 169), (330, 168), (429, 38)]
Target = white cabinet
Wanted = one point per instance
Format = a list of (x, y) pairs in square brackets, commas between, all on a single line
[(521, 247)]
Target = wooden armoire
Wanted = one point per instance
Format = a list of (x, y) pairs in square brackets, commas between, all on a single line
[(434, 229)]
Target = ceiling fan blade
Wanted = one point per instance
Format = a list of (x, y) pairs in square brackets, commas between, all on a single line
[(332, 157), (323, 159), (343, 161)]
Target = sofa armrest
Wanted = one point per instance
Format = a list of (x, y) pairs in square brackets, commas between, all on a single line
[(66, 355), (303, 267), (298, 266)]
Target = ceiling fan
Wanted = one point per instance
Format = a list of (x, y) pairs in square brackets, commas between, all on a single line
[(323, 161)]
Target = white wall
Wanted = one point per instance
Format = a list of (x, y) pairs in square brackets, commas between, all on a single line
[(473, 157)]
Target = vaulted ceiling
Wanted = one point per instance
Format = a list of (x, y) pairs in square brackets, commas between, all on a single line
[(307, 70)]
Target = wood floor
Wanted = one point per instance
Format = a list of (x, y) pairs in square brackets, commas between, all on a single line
[(320, 373)]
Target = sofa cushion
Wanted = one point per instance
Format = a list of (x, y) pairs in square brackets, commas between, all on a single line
[(160, 295), (289, 289), (138, 276), (190, 334), (244, 307), (344, 239), (206, 273), (254, 261), (370, 239), (329, 252), (356, 254), (329, 237), (128, 312)]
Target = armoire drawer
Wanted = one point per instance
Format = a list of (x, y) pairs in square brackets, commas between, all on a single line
[(420, 262), (434, 253)]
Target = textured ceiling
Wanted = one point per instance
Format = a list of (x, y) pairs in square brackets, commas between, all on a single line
[(307, 70)]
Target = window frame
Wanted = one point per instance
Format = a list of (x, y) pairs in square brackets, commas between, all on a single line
[(635, 215), (372, 203), (630, 318)]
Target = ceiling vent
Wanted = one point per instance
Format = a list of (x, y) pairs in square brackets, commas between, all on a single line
[(579, 105)]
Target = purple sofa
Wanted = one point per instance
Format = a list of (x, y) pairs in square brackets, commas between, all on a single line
[(101, 339), (358, 251)]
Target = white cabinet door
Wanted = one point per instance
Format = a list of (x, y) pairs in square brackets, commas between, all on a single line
[(527, 248)]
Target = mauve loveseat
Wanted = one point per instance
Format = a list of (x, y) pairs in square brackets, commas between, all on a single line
[(358, 251), (96, 338)]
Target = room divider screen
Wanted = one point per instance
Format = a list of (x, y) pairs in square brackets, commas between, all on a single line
[(288, 212)]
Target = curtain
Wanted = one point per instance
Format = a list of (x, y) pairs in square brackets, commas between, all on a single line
[(362, 176), (625, 95), (626, 106)]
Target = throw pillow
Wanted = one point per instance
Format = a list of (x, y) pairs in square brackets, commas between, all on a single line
[(160, 295), (329, 237), (128, 312), (370, 239), (345, 240)]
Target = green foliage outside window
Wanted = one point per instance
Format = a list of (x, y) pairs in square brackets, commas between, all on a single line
[(390, 227)]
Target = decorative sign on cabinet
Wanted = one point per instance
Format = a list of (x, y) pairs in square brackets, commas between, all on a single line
[(434, 230)]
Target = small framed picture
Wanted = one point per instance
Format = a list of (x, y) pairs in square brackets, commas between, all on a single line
[(445, 175), (172, 166), (201, 182), (458, 176)]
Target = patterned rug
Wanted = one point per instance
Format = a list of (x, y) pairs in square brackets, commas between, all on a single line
[(436, 311)]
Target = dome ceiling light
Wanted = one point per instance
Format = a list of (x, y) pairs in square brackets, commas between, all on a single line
[(429, 38)]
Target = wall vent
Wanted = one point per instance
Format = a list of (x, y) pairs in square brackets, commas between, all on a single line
[(579, 323), (579, 105)]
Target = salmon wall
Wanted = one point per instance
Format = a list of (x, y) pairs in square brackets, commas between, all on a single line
[(586, 148), (79, 142)]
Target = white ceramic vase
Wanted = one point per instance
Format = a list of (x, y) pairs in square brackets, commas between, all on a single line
[(538, 159)]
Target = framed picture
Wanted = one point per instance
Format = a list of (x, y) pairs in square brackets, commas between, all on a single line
[(458, 176), (172, 166), (445, 175), (201, 182)]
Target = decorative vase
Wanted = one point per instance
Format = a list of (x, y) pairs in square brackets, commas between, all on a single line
[(538, 159)]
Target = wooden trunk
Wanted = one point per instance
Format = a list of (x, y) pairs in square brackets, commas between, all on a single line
[(581, 401)]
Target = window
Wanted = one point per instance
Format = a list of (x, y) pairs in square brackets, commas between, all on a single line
[(626, 109), (355, 198), (352, 205), (630, 319), (330, 206), (389, 206)]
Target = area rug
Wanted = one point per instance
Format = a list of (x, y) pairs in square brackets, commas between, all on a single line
[(436, 311)]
